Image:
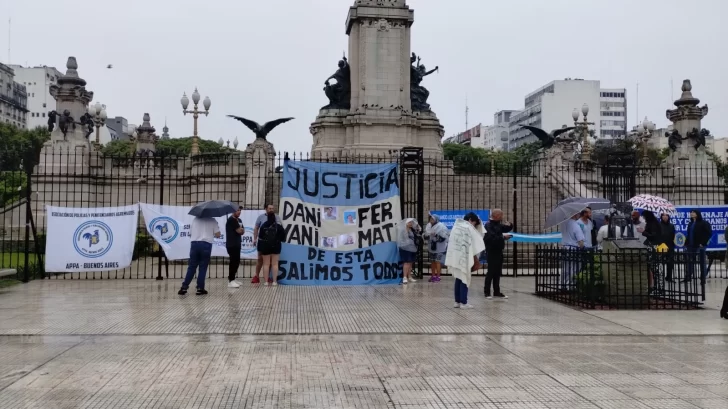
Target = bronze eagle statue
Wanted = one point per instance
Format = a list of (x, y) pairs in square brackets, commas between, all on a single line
[(547, 139), (261, 131)]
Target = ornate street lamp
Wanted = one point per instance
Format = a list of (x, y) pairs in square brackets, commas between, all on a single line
[(643, 134), (195, 114), (98, 116), (235, 143), (582, 128)]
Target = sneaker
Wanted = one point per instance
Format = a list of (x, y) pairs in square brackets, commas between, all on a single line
[(270, 281), (255, 280), (488, 296), (437, 279), (431, 280), (275, 283), (466, 307), (404, 280), (501, 296), (233, 284), (457, 305), (412, 280), (182, 291), (201, 291), (267, 283)]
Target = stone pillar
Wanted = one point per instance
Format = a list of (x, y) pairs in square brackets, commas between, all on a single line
[(259, 165), (686, 124), (145, 139)]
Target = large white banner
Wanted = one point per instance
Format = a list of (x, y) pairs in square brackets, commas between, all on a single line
[(90, 239), (170, 227)]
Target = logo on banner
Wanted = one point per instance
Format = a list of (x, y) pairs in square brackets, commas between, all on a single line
[(93, 239), (247, 246), (166, 227), (680, 240)]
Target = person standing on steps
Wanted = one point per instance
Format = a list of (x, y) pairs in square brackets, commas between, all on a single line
[(203, 230), (269, 209), (234, 230), (495, 241)]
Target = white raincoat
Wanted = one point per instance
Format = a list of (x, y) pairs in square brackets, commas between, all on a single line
[(466, 242)]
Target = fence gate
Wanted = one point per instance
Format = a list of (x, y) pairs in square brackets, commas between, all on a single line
[(412, 191), (619, 178)]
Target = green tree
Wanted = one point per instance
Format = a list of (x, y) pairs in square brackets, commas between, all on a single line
[(12, 186), (467, 159), (16, 143), (119, 148)]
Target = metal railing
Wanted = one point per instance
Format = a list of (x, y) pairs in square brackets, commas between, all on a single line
[(620, 279)]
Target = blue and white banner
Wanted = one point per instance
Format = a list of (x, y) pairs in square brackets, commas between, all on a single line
[(717, 216), (340, 224), (448, 217), (535, 238), (170, 228), (90, 239)]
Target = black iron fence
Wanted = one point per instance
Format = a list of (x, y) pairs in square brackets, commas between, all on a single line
[(620, 279), (526, 192)]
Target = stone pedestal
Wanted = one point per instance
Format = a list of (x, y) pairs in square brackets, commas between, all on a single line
[(259, 164), (686, 118), (381, 119), (625, 273)]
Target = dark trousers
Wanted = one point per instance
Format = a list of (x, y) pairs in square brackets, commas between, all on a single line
[(461, 292), (200, 252), (234, 253), (696, 255), (669, 263), (495, 271)]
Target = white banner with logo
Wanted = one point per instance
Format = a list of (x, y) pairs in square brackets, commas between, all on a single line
[(90, 239), (170, 227)]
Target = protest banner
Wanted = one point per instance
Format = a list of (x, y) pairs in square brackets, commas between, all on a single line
[(716, 216), (90, 239), (448, 217), (340, 224), (170, 227)]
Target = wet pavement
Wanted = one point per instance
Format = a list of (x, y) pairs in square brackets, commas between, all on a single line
[(137, 344)]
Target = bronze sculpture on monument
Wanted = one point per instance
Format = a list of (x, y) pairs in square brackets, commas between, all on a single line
[(377, 105)]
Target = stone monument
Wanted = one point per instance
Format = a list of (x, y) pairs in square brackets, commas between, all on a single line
[(687, 139), (378, 104), (144, 138), (68, 121)]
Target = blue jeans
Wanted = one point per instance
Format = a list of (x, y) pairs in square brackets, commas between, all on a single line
[(200, 252), (461, 292), (696, 255)]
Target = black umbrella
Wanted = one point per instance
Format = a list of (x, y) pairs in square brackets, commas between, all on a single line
[(214, 208)]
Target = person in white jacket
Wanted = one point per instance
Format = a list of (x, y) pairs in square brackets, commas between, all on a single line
[(464, 246), (603, 232)]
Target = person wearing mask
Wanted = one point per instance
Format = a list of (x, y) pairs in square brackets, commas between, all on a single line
[(436, 235), (604, 232), (270, 241), (572, 240), (269, 209), (667, 237), (234, 230), (495, 241), (587, 227), (461, 259), (408, 238), (653, 238), (635, 225), (698, 236), (203, 231)]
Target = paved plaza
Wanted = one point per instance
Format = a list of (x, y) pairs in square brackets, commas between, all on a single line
[(136, 344)]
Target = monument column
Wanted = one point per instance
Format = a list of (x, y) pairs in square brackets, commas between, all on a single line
[(385, 106)]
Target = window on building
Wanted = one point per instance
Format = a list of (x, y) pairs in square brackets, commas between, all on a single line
[(43, 114), (44, 105)]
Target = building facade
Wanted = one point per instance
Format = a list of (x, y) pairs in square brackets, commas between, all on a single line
[(37, 81), (550, 107), (13, 99), (613, 113)]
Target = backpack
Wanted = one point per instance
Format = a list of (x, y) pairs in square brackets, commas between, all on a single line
[(269, 233)]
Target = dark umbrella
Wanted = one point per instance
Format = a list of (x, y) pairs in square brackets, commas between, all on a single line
[(214, 208), (594, 203)]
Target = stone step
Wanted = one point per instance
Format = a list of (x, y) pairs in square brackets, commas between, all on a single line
[(8, 272)]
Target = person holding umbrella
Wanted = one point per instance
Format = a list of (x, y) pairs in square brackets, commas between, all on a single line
[(203, 231)]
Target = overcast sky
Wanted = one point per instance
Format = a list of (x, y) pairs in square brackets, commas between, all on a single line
[(266, 59)]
